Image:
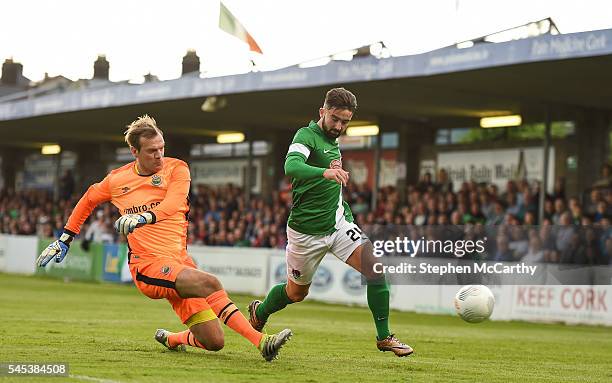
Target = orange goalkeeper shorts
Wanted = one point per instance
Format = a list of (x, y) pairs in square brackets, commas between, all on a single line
[(156, 278)]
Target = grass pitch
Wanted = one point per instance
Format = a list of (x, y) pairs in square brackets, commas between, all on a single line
[(105, 332)]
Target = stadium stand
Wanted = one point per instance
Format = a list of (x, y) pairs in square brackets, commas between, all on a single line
[(227, 216), (572, 231)]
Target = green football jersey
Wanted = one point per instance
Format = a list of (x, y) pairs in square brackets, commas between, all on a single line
[(317, 202)]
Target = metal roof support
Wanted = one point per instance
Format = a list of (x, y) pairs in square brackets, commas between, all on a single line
[(376, 183), (544, 183), (248, 176)]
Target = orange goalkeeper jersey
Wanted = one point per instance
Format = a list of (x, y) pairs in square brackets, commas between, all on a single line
[(165, 194)]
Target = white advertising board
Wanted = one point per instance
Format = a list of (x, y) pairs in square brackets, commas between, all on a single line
[(18, 253), (240, 270), (496, 166), (3, 248), (569, 304), (223, 172)]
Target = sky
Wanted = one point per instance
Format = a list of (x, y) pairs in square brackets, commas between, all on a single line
[(64, 37)]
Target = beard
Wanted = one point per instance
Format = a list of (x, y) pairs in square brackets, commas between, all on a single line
[(331, 133)]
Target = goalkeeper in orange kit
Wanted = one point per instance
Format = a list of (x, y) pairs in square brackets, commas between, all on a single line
[(152, 195)]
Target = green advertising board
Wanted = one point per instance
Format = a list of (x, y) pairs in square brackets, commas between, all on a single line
[(78, 265)]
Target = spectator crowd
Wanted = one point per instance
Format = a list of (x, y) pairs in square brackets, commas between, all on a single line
[(573, 230)]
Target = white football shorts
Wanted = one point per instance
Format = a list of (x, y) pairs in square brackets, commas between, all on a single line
[(305, 252)]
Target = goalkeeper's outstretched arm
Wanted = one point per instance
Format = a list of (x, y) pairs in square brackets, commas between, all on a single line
[(95, 195)]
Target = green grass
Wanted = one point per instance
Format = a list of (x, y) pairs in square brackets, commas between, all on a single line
[(106, 332)]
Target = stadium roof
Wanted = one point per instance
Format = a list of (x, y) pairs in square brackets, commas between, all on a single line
[(448, 87)]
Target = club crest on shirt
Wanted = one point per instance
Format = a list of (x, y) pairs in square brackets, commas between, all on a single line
[(156, 180), (336, 164), (165, 270)]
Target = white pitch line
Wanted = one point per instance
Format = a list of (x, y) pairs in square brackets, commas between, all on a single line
[(92, 379)]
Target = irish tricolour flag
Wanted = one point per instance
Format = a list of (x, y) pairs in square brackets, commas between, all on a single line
[(231, 25)]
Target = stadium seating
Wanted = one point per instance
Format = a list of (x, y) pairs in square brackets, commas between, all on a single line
[(571, 232)]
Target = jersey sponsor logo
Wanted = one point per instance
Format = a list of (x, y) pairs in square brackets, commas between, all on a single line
[(156, 180), (140, 209), (335, 164)]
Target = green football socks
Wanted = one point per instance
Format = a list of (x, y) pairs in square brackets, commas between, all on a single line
[(378, 301), (276, 300)]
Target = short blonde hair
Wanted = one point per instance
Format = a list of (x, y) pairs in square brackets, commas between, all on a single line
[(144, 126)]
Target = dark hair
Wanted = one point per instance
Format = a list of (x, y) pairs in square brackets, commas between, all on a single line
[(340, 98)]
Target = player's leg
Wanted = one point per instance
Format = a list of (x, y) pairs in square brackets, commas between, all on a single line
[(157, 279), (303, 255), (297, 292), (354, 248), (193, 283), (204, 330), (206, 335), (349, 245), (277, 299), (377, 290)]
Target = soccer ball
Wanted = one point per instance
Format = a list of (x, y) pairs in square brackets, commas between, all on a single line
[(474, 303)]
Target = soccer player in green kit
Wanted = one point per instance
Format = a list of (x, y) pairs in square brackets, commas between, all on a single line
[(320, 221)]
